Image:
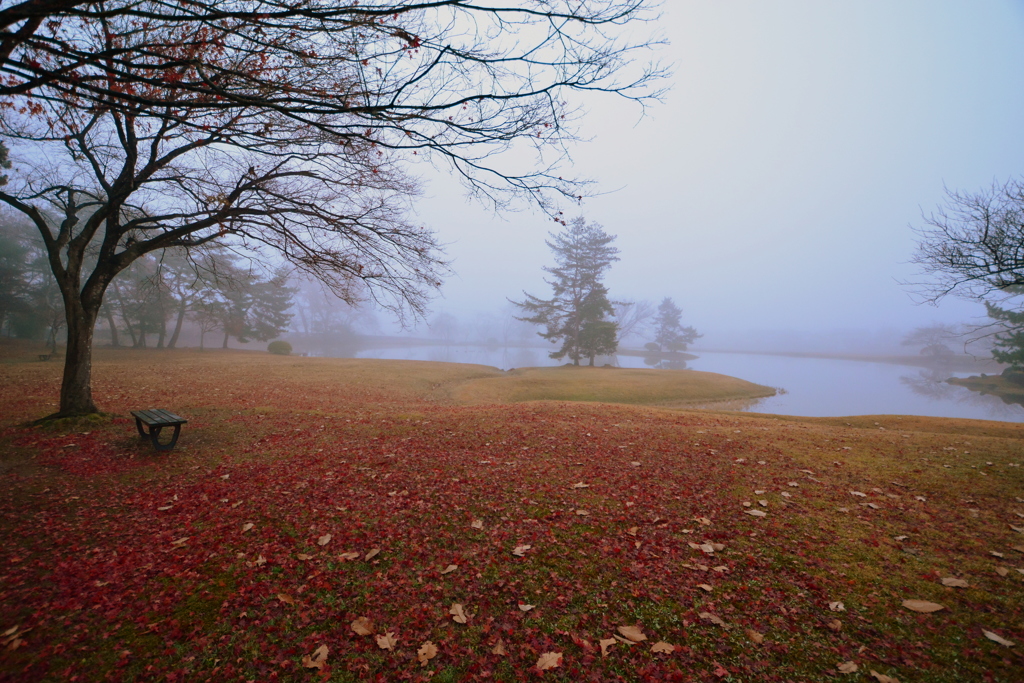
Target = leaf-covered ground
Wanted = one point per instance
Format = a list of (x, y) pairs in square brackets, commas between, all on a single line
[(315, 503)]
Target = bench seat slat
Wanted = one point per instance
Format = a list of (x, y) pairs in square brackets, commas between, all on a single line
[(157, 417)]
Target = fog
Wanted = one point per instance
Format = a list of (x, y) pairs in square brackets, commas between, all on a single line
[(772, 193)]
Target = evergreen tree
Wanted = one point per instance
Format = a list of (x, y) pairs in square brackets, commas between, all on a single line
[(582, 254), (268, 314), (670, 335), (597, 335), (1008, 346)]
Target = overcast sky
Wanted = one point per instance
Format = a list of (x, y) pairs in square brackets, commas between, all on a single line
[(775, 187)]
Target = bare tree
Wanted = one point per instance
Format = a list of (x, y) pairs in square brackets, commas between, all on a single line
[(974, 245), (145, 125), (124, 184), (632, 317)]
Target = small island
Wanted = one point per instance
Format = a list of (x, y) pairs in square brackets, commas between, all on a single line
[(1009, 386)]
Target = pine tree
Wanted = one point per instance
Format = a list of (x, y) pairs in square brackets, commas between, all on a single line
[(670, 335), (582, 254), (597, 335), (1009, 345)]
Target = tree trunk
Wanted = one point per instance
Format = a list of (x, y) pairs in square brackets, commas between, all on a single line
[(76, 387), (591, 361), (225, 340), (163, 333), (114, 340), (177, 323)]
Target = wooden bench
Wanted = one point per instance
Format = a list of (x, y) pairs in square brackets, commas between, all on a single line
[(156, 420)]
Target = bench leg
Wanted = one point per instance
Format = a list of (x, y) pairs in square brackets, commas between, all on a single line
[(138, 425), (154, 436)]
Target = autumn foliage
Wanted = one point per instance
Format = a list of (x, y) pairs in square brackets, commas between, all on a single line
[(316, 525)]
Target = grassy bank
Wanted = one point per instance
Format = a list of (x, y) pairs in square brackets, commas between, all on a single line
[(308, 494)]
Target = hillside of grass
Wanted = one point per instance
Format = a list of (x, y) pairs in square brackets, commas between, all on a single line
[(354, 520)]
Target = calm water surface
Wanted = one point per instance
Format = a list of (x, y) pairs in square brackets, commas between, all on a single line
[(814, 386)]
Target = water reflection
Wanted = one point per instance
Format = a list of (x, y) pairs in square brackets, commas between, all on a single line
[(931, 383)]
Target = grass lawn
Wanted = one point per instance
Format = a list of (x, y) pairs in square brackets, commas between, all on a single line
[(426, 521)]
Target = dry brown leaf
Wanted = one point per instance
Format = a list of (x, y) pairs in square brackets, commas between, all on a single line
[(180, 542), (756, 513), (837, 606), (755, 636), (847, 668), (705, 586), (703, 520), (324, 540), (713, 619), (1018, 529), (345, 557), (632, 530), (318, 658), (763, 503), (247, 526), (520, 550), (549, 660), (9, 632), (707, 548), (525, 608), (372, 554), (165, 507), (605, 644), (858, 494), (633, 633), (426, 652), (478, 524), (286, 599), (499, 649), (954, 582), (922, 606), (582, 513), (882, 678), (304, 557), (387, 641), (835, 625), (457, 614), (260, 561), (997, 638), (581, 485), (1002, 571), (996, 553), (449, 569), (362, 626), (662, 646)]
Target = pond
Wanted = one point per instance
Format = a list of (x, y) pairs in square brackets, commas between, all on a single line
[(816, 387)]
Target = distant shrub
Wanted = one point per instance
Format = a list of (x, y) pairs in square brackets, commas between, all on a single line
[(281, 348)]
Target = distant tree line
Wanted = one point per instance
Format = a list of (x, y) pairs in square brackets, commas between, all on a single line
[(150, 301)]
